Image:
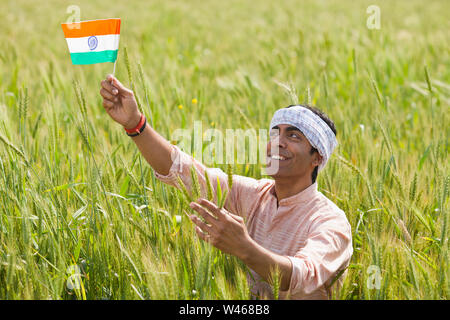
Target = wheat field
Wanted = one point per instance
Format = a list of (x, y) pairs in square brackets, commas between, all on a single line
[(81, 213)]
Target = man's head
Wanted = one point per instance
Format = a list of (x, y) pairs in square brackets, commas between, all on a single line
[(302, 140)]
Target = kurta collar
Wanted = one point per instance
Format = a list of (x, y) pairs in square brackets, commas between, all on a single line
[(301, 197)]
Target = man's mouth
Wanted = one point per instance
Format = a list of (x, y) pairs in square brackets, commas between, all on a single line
[(278, 157)]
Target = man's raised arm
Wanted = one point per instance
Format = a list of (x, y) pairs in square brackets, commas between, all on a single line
[(120, 104)]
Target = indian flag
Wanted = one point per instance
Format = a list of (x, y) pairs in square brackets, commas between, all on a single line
[(93, 41)]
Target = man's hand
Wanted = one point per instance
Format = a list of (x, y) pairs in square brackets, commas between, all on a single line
[(221, 228), (119, 102), (228, 233)]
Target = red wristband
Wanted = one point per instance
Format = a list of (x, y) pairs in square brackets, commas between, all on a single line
[(139, 128)]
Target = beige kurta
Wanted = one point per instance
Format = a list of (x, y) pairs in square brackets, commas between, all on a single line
[(307, 227)]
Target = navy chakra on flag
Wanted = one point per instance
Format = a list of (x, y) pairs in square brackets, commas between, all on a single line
[(92, 42)]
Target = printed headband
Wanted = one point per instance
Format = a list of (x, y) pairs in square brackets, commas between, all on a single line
[(317, 131)]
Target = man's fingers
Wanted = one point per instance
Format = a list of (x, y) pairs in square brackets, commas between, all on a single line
[(108, 104), (107, 95), (236, 217), (118, 85), (204, 213), (109, 87), (200, 224), (201, 234), (215, 210)]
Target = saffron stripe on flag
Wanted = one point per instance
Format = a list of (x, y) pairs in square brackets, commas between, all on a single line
[(102, 43), (94, 57), (91, 28)]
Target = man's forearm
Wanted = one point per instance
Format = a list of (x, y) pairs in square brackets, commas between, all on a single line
[(264, 263), (155, 149)]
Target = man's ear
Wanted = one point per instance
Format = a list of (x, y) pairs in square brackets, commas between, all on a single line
[(317, 159)]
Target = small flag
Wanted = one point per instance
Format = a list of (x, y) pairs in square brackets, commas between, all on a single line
[(93, 41)]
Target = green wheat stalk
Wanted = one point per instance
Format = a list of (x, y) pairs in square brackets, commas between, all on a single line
[(290, 91), (377, 91), (196, 191), (184, 189), (209, 189), (413, 188), (130, 77), (275, 281), (428, 79), (146, 91), (230, 176), (14, 148), (80, 97), (358, 172), (308, 96)]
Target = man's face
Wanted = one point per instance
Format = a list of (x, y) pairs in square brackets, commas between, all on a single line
[(289, 153)]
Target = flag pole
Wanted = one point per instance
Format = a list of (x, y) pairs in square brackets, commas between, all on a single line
[(114, 71)]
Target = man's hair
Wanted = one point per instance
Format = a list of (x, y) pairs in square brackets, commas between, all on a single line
[(328, 121)]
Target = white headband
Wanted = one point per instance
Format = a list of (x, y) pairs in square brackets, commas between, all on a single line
[(318, 133)]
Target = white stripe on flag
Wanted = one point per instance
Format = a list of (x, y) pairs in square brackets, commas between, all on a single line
[(101, 43)]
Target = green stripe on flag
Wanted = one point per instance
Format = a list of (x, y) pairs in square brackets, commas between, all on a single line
[(94, 57)]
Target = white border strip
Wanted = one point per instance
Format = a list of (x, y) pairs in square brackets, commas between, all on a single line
[(104, 42)]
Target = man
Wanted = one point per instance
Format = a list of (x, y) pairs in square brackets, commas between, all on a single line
[(283, 224)]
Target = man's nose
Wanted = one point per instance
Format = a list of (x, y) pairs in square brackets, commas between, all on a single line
[(278, 142), (282, 141)]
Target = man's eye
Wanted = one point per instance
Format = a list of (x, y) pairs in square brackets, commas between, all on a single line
[(294, 135)]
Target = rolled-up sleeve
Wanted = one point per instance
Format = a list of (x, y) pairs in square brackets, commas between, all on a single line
[(243, 188), (180, 162), (327, 251)]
